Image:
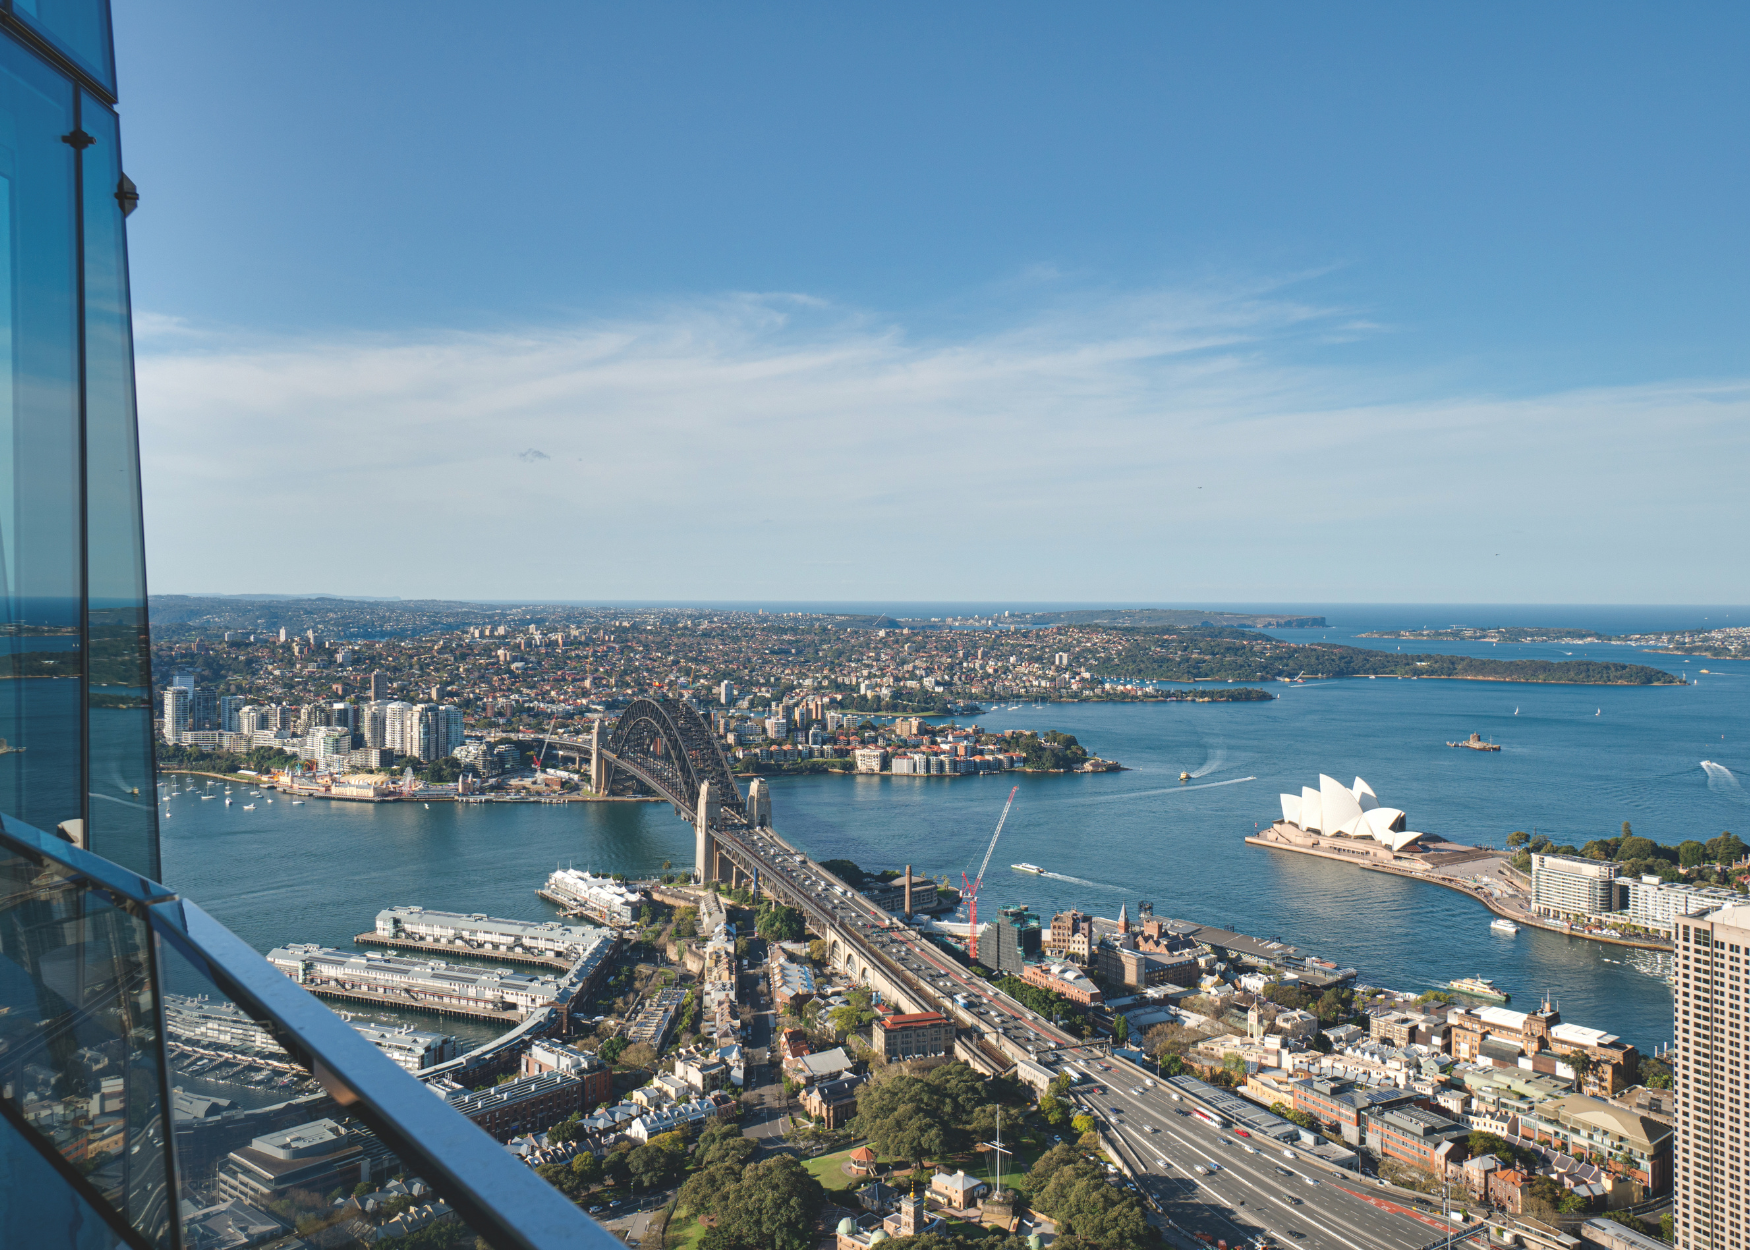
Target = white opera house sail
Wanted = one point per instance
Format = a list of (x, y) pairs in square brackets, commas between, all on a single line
[(1349, 821)]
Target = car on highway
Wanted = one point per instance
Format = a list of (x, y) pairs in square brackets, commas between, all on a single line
[(1291, 1200), (1201, 1170), (1285, 1171), (1309, 1180), (1289, 1154)]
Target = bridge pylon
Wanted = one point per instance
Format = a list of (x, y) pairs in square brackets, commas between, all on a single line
[(759, 804), (704, 842)]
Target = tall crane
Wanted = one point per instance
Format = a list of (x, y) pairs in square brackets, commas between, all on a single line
[(970, 888), (541, 758)]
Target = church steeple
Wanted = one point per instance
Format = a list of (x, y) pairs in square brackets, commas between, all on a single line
[(1123, 918)]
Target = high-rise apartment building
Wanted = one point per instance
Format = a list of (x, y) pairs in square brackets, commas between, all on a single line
[(373, 724), (175, 713), (1566, 885), (230, 705), (96, 1147), (1711, 1164), (379, 687), (203, 708)]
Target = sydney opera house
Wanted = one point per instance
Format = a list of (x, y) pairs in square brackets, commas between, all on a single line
[(1341, 820)]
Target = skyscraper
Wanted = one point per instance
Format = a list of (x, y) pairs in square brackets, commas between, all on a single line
[(1711, 1209), (176, 715), (378, 686), (229, 706)]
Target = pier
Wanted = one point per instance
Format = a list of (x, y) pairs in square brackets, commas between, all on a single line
[(372, 938), (405, 1001)]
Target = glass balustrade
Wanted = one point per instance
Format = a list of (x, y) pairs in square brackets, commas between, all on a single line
[(182, 1092)]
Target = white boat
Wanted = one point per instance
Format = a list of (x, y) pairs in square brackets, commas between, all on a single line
[(1501, 924), (297, 802), (249, 807), (1035, 869)]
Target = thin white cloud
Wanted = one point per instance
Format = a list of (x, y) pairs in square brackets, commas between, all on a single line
[(1136, 445)]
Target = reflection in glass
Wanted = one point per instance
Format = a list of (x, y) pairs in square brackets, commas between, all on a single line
[(261, 1145), (79, 29), (41, 592), (122, 820), (79, 1037)]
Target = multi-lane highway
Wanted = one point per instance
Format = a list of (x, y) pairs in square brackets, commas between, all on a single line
[(1247, 1185), (936, 977)]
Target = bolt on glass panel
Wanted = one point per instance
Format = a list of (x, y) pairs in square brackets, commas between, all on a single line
[(79, 1043)]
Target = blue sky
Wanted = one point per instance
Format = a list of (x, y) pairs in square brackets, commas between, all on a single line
[(1146, 302)]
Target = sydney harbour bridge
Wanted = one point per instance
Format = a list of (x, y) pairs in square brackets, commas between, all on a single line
[(665, 747)]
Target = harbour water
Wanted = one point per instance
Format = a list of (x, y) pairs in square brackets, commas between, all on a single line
[(1576, 762)]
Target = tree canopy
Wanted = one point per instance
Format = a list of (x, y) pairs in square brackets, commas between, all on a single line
[(770, 1205), (1073, 1191)]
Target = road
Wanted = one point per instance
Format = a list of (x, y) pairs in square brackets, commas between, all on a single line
[(933, 972), (1252, 1186)]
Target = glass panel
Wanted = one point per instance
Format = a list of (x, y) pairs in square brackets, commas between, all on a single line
[(261, 1145), (79, 1045), (79, 28), (40, 591), (56, 1214), (123, 820)]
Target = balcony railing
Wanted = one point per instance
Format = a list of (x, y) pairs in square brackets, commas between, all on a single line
[(115, 995)]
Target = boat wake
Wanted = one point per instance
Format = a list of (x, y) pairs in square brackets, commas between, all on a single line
[(1143, 794), (1216, 759), (1721, 782), (1098, 885)]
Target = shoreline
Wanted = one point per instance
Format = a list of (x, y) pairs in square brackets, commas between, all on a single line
[(1481, 896)]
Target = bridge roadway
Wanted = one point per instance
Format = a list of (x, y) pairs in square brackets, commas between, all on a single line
[(1252, 1186), (1299, 1203), (854, 925)]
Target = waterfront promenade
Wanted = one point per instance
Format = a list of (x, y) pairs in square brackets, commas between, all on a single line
[(1502, 894)]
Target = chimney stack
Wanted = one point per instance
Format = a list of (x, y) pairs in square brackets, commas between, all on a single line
[(908, 891)]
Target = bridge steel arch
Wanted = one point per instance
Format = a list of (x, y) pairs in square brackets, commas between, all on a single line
[(666, 745)]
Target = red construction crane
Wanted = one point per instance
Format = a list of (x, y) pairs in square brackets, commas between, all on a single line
[(970, 889)]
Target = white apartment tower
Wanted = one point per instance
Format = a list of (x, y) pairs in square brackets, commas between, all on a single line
[(175, 712), (1710, 1166)]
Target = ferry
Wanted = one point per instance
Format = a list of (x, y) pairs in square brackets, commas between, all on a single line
[(1035, 869), (1478, 987), (1503, 925)]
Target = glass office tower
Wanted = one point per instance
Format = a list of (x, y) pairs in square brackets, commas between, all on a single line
[(115, 994)]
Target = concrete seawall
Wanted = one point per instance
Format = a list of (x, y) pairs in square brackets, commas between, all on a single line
[(1481, 896)]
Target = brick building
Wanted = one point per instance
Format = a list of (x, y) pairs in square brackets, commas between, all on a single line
[(1412, 1136), (545, 1056), (919, 1035), (1071, 937), (529, 1104)]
